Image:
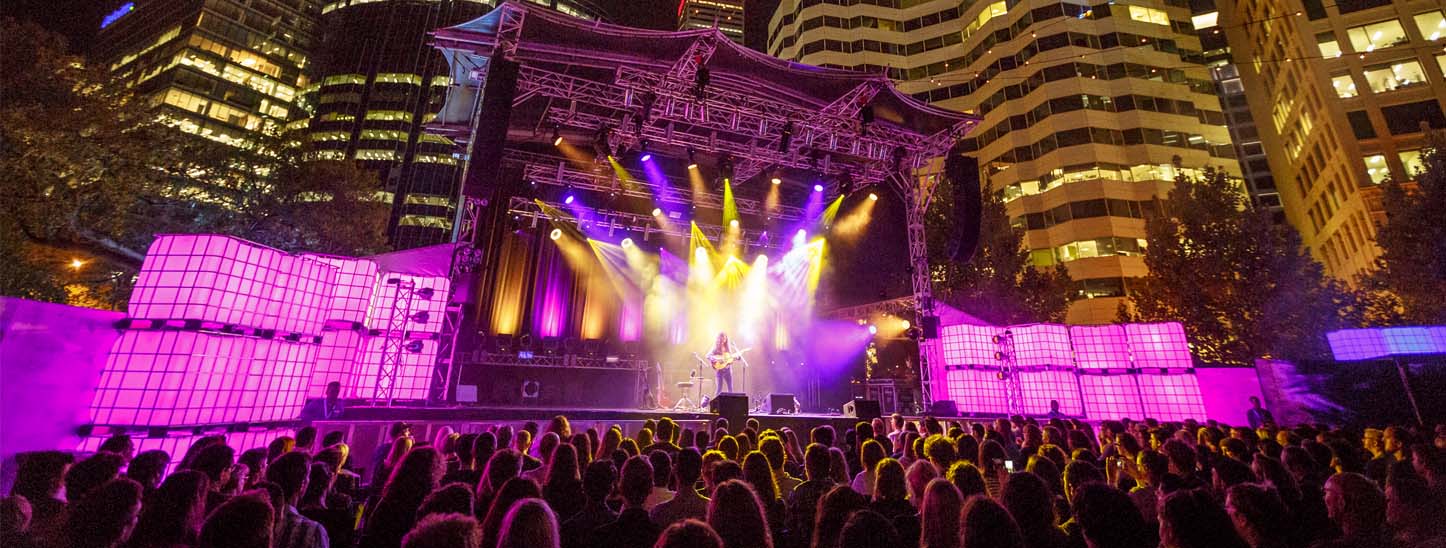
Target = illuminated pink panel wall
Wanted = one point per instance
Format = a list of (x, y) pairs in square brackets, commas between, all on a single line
[(335, 360), (384, 296), (275, 388), (1159, 345), (159, 378), (969, 344), (176, 446), (1041, 345), (225, 280), (414, 376), (352, 294), (1100, 346), (976, 391), (1111, 396), (1171, 397), (1042, 386)]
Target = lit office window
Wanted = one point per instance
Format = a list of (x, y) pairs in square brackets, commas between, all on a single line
[(1377, 35), (1328, 45), (1432, 24), (389, 115), (1345, 86), (1149, 15), (1383, 78), (398, 78), (1413, 162), (379, 155), (1376, 168), (383, 135)]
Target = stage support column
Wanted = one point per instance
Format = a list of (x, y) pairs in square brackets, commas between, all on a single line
[(916, 204)]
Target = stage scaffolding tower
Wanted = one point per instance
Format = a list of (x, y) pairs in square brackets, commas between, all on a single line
[(622, 88)]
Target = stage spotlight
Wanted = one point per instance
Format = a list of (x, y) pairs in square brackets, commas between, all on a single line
[(647, 157), (627, 242), (692, 158), (786, 138), (777, 181), (873, 329), (657, 212), (873, 197), (556, 136), (907, 325), (818, 188), (556, 234), (733, 223), (568, 200)]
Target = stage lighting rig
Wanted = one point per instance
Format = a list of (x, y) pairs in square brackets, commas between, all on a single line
[(556, 136), (692, 158), (643, 149), (786, 138)]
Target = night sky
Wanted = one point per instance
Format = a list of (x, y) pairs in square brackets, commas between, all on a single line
[(79, 20)]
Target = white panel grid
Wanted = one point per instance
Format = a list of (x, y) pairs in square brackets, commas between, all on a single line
[(159, 378), (1042, 345), (1171, 397), (969, 345), (1042, 386), (1111, 396), (976, 391), (1100, 346), (229, 281), (1159, 345), (352, 295), (335, 360), (414, 373), (385, 295)]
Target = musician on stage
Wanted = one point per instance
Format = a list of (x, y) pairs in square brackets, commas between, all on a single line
[(722, 357)]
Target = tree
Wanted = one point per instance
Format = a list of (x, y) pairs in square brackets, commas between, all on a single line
[(1241, 284), (92, 172), (998, 284), (1409, 279)]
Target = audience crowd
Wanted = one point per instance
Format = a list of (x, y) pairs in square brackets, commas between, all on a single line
[(886, 483)]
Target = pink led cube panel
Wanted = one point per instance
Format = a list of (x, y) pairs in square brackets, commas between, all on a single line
[(355, 281), (969, 345), (1171, 397), (335, 360), (1042, 386), (1159, 345), (168, 378), (1100, 346), (413, 378), (275, 387), (176, 446), (976, 391), (230, 281), (384, 297), (1111, 396), (1040, 345)]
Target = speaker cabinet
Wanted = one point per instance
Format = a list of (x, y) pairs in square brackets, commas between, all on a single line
[(732, 406), (944, 408), (862, 409), (781, 404)]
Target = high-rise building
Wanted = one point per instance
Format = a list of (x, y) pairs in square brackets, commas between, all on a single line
[(223, 69), (1342, 91), (1086, 110), (727, 15), (377, 82), (1254, 169)]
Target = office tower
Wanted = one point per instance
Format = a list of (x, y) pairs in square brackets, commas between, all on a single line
[(227, 70), (727, 15), (1342, 91), (377, 83), (1254, 169), (1086, 110)]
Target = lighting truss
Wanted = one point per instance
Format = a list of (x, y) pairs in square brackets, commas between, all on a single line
[(554, 171), (602, 219), (395, 340)]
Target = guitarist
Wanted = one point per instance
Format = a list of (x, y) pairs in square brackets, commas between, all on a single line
[(721, 358)]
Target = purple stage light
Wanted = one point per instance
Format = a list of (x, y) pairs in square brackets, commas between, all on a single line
[(569, 199), (818, 188), (647, 157)]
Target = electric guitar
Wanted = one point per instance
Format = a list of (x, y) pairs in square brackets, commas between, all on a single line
[(720, 362)]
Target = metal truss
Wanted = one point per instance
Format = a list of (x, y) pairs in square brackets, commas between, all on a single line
[(394, 343), (899, 306), (601, 219), (441, 388), (558, 361), (554, 171), (1009, 373)]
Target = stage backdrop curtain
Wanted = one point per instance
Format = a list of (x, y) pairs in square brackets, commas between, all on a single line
[(514, 277), (552, 293), (597, 302)]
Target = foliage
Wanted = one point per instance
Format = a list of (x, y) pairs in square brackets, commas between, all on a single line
[(1241, 284), (1409, 281), (998, 284), (92, 172)]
